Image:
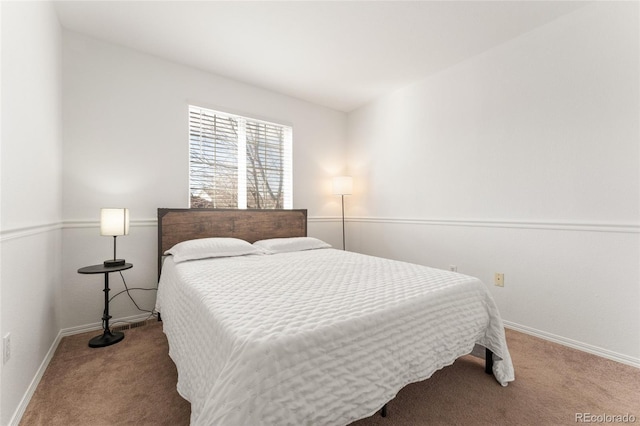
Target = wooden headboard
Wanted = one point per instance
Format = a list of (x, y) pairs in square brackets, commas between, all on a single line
[(177, 225)]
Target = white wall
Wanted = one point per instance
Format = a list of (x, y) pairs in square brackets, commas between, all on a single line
[(126, 145), (31, 192), (523, 160)]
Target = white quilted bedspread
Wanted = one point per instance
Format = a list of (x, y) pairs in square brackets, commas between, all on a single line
[(320, 337)]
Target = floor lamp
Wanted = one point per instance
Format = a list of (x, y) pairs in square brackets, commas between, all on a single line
[(342, 185)]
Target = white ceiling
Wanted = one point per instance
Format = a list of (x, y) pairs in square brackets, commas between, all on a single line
[(341, 54)]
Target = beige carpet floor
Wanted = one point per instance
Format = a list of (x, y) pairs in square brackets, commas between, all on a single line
[(134, 383)]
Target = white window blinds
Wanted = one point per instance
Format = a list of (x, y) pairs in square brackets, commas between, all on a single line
[(238, 162)]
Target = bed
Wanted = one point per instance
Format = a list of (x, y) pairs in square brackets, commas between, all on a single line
[(296, 332)]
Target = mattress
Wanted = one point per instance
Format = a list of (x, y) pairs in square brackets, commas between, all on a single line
[(316, 337)]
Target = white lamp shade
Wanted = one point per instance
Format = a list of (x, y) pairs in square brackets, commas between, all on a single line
[(114, 222), (342, 185)]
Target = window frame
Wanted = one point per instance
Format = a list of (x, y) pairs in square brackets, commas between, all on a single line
[(284, 173)]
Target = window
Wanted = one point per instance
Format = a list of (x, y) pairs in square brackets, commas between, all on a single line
[(238, 162)]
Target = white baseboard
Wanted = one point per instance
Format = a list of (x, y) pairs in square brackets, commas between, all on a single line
[(22, 407), (584, 347), (98, 325)]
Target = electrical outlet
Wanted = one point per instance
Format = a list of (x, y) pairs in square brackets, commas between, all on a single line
[(498, 279), (6, 348), (453, 268)]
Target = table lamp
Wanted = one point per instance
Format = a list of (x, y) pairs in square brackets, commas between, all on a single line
[(114, 222)]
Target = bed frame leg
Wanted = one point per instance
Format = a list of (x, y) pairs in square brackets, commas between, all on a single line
[(383, 412), (159, 317), (488, 366)]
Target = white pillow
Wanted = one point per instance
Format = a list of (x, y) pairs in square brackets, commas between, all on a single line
[(284, 245), (211, 247)]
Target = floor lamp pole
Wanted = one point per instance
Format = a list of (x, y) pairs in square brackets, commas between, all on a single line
[(343, 244), (343, 185)]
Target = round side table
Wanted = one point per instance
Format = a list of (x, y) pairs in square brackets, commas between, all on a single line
[(108, 337)]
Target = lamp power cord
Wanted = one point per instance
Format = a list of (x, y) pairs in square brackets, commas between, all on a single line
[(152, 313)]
